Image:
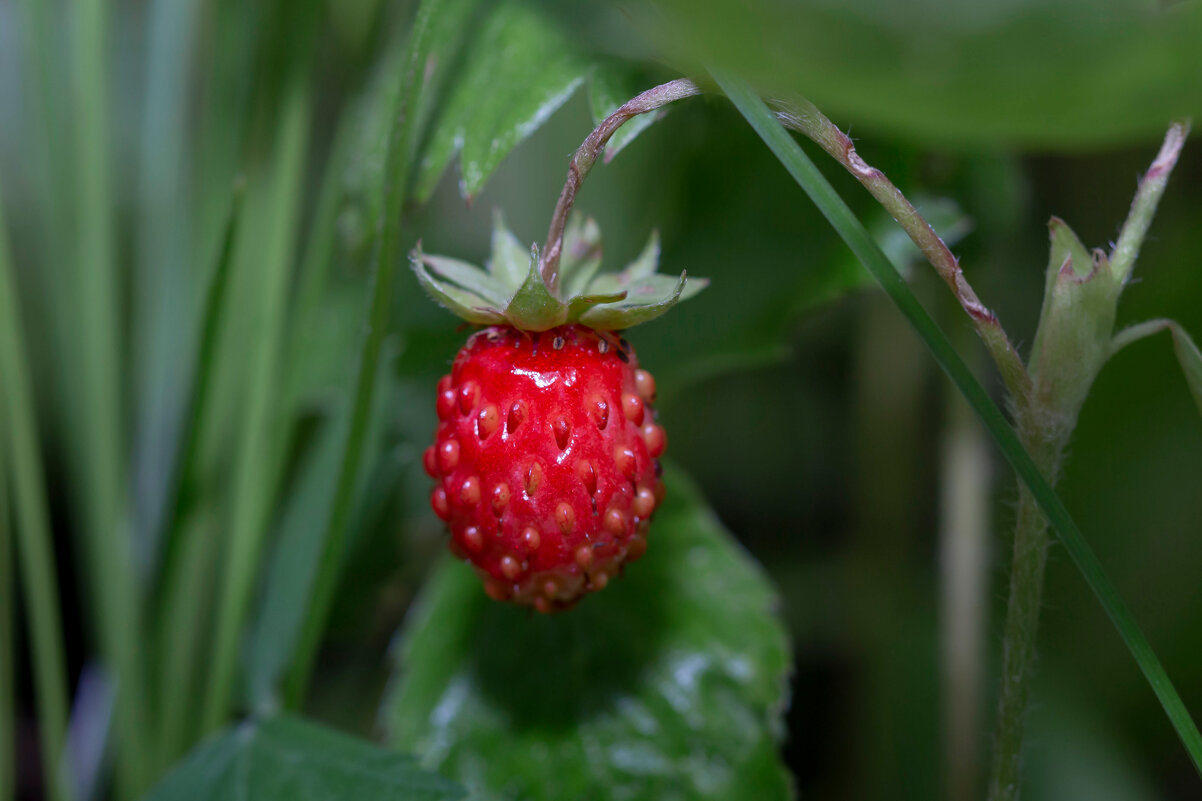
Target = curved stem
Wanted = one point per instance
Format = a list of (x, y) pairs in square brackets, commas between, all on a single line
[(587, 154), (801, 115)]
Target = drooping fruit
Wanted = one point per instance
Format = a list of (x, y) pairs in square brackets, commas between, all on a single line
[(546, 458), (547, 450)]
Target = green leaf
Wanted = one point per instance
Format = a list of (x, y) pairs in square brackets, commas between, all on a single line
[(852, 231), (517, 71), (1187, 352), (955, 72), (289, 759), (613, 83), (467, 276), (669, 684), (645, 300)]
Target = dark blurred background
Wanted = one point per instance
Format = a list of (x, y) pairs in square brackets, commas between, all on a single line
[(818, 426)]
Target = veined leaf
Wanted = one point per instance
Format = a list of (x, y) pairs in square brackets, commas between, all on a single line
[(289, 759), (670, 684)]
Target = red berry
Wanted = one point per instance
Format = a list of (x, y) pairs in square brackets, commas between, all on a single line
[(547, 490)]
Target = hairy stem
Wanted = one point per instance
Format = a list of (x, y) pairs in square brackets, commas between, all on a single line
[(586, 155), (801, 115)]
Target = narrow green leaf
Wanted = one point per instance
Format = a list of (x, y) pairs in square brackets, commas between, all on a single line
[(290, 759), (668, 684), (518, 70), (8, 642), (433, 18), (613, 82), (257, 465), (1187, 352), (648, 261), (857, 238), (35, 542)]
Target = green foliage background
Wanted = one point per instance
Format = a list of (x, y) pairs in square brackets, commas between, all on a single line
[(806, 413)]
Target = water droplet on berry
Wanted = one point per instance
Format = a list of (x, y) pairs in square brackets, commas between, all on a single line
[(534, 477), (542, 605), (517, 415), (565, 517), (562, 430), (496, 590), (599, 580), (632, 407), (655, 438), (448, 455), (599, 410), (469, 393), (487, 421), (624, 461), (438, 502), (644, 384), (473, 539), (550, 588), (587, 475), (584, 556), (644, 502), (615, 522), (430, 462), (531, 539), (500, 498), (469, 491), (510, 568)]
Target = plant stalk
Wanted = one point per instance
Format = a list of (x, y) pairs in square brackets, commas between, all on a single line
[(586, 155), (801, 115)]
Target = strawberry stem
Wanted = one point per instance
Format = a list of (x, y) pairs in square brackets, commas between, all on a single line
[(586, 155)]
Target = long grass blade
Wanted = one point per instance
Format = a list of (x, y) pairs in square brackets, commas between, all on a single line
[(185, 564), (385, 258), (256, 469), (35, 544), (844, 221), (8, 644)]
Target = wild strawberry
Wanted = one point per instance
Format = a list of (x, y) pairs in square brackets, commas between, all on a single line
[(547, 450)]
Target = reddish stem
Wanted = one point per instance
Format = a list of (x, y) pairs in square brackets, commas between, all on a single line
[(587, 154)]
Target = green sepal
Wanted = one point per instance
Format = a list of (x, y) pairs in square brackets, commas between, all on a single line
[(533, 307), (512, 290), (466, 304), (1076, 322)]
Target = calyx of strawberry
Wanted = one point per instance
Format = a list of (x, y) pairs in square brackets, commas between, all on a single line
[(511, 289)]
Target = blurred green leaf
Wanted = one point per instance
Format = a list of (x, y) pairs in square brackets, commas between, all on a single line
[(289, 759), (1030, 72), (670, 684), (518, 70)]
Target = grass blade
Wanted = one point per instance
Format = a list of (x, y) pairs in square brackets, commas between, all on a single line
[(35, 543), (844, 221), (384, 258), (257, 465), (8, 644), (185, 564)]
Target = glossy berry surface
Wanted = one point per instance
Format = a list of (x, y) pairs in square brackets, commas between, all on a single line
[(546, 459)]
